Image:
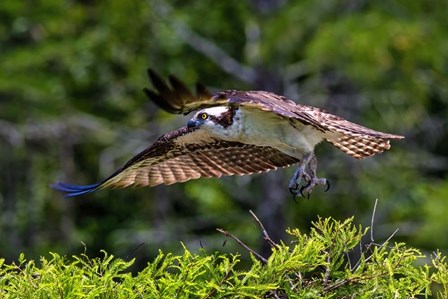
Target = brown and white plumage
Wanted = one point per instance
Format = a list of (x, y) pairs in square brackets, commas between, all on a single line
[(178, 157), (355, 140), (237, 133)]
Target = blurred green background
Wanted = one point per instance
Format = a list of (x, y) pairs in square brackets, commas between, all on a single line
[(72, 109)]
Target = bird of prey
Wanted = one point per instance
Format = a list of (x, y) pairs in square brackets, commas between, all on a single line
[(237, 133)]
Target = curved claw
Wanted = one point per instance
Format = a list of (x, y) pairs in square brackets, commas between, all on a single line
[(303, 188), (327, 183), (309, 180), (301, 193), (293, 190), (294, 197)]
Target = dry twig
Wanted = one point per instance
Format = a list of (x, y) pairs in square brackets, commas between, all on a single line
[(227, 234), (263, 230)]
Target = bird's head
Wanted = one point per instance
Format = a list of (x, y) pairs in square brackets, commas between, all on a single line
[(210, 118)]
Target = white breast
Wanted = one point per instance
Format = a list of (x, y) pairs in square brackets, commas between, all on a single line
[(268, 129)]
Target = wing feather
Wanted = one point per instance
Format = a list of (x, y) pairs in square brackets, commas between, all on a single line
[(178, 99), (184, 155), (355, 140)]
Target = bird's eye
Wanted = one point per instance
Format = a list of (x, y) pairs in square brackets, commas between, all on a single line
[(204, 116)]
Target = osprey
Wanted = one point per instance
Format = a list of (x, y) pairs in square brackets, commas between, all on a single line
[(237, 133)]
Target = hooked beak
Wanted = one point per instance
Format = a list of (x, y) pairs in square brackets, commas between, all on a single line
[(192, 123)]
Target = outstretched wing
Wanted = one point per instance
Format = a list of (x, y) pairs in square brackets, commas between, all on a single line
[(355, 140), (183, 155), (178, 99)]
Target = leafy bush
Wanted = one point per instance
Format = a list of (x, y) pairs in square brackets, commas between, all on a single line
[(314, 265)]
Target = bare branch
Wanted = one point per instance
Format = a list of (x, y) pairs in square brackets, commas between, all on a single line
[(327, 268), (372, 240), (10, 133), (227, 234), (205, 46), (373, 220), (263, 230)]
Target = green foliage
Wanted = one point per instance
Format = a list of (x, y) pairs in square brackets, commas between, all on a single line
[(313, 265), (72, 109), (440, 275)]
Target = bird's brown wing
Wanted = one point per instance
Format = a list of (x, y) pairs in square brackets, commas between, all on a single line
[(355, 140), (176, 98), (187, 154)]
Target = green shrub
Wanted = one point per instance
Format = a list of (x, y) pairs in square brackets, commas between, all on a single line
[(314, 265)]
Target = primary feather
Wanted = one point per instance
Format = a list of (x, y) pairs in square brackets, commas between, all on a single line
[(186, 154)]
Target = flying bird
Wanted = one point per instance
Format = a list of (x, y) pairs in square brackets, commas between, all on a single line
[(237, 132)]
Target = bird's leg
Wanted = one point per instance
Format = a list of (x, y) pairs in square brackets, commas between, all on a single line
[(309, 162), (300, 173), (314, 180)]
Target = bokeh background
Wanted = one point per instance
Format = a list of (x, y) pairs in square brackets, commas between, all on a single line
[(72, 109)]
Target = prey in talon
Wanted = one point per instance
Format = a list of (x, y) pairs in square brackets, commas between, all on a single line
[(234, 132)]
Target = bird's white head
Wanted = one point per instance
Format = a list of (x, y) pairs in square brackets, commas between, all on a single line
[(214, 118)]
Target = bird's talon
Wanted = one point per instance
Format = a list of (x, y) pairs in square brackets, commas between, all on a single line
[(308, 192), (294, 197), (309, 180), (307, 185), (327, 183), (293, 190), (304, 188)]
